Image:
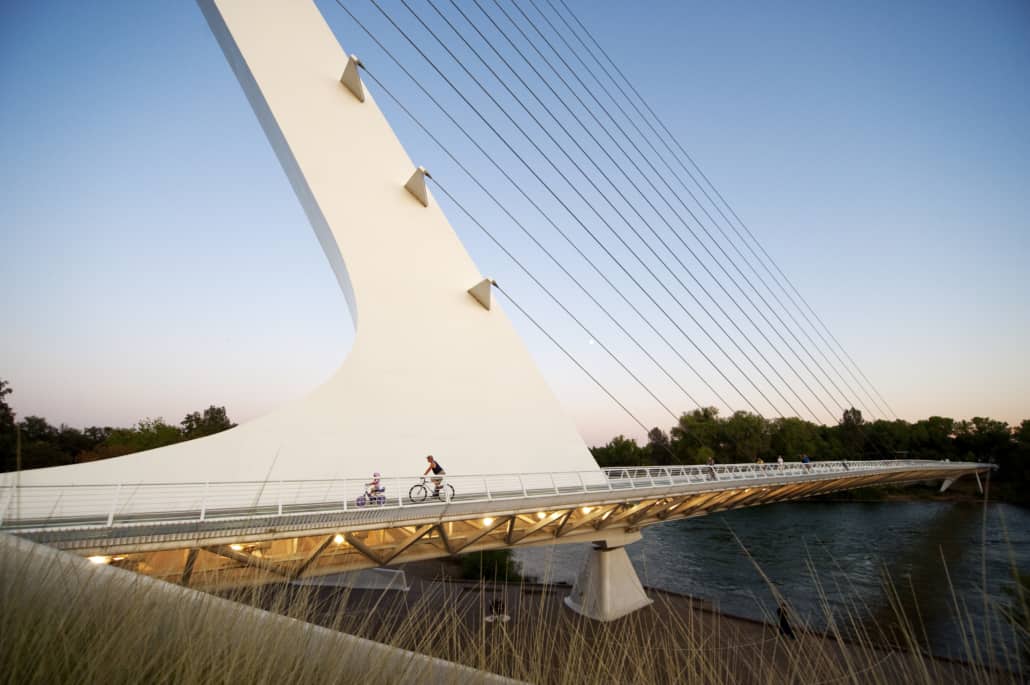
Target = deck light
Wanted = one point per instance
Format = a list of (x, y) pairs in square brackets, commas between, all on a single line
[(540, 515), (338, 539), (587, 510), (487, 521), (236, 547), (100, 560)]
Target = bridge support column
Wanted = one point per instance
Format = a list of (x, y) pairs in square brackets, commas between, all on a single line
[(607, 587)]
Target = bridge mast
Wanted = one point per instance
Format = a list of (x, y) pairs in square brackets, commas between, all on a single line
[(434, 369)]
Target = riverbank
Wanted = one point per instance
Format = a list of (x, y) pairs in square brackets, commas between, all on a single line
[(523, 630), (964, 490)]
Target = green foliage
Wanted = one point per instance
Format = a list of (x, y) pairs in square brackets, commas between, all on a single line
[(700, 428), (745, 437), (659, 449), (213, 420), (496, 565), (702, 434), (44, 445), (620, 451), (8, 430)]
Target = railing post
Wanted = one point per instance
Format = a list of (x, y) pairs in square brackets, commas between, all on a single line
[(522, 482), (582, 483), (553, 484), (114, 505), (280, 498), (486, 489), (400, 495), (650, 475), (203, 501)]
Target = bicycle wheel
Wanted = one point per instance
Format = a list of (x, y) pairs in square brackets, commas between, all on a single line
[(418, 493), (449, 494)]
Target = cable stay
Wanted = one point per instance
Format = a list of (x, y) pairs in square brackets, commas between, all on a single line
[(543, 80), (553, 259), (723, 214), (583, 198), (672, 192), (550, 190)]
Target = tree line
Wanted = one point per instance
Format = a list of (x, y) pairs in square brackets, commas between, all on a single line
[(702, 434), (32, 442), (698, 436)]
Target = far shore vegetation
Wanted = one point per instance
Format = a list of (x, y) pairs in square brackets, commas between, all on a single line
[(702, 434), (32, 442)]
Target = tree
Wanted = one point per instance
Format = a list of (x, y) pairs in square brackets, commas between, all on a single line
[(40, 444), (745, 437), (658, 449), (889, 438), (932, 438), (983, 439), (700, 428), (213, 420), (8, 430), (620, 451), (790, 437), (852, 434)]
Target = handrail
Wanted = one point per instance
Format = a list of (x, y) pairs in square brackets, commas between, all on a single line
[(81, 505)]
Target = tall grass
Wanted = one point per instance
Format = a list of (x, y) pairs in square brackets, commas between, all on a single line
[(59, 624)]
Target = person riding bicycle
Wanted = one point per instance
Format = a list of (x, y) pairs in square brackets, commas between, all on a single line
[(438, 471), (374, 488)]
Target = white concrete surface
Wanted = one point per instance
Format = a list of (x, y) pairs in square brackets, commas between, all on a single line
[(607, 587)]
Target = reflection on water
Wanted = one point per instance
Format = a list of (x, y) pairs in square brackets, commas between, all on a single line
[(837, 553)]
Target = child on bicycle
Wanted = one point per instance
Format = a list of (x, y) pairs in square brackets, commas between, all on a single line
[(374, 489)]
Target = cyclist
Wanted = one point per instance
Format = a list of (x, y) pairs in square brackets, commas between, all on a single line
[(438, 471), (375, 488)]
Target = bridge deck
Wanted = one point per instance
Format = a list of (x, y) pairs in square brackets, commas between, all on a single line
[(214, 534)]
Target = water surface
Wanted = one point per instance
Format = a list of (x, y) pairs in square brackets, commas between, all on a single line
[(847, 549)]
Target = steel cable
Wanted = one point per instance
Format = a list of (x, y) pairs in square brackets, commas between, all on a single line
[(671, 191), (715, 190), (550, 162), (572, 214), (543, 214)]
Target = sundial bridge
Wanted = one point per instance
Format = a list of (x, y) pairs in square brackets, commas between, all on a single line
[(435, 366)]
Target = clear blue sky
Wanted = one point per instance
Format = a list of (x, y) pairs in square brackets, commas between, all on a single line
[(155, 260)]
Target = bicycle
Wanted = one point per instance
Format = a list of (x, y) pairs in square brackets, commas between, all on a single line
[(420, 491), (370, 496)]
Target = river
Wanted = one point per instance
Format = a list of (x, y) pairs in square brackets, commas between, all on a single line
[(847, 549)]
